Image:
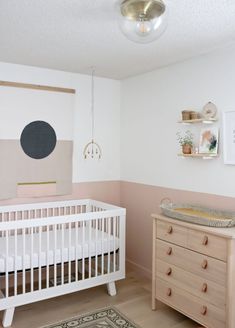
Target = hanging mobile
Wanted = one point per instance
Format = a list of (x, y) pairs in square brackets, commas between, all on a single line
[(92, 149)]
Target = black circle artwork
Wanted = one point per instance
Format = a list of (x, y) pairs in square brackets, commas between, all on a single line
[(38, 139)]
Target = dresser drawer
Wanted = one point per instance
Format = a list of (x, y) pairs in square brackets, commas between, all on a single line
[(205, 289), (199, 310), (198, 264), (172, 233), (208, 244)]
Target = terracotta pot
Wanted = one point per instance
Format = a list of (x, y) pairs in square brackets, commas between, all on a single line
[(187, 149)]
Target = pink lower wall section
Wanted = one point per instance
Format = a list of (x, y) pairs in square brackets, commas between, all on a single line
[(106, 191), (140, 201)]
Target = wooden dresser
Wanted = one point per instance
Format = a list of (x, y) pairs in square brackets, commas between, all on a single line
[(194, 270)]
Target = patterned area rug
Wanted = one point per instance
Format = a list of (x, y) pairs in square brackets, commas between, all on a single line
[(104, 318)]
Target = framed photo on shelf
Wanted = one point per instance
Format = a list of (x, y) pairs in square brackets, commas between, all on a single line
[(229, 137), (208, 143)]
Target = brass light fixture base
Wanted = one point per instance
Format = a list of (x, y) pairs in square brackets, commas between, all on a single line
[(142, 9)]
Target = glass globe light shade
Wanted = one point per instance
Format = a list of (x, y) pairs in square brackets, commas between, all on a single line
[(142, 21)]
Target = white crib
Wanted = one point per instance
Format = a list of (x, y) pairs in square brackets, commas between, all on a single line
[(55, 248)]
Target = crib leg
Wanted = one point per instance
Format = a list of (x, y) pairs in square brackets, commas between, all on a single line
[(111, 288), (8, 317)]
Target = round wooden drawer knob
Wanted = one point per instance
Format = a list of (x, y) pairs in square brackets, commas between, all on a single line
[(169, 251), (204, 288), (205, 240), (169, 272), (170, 230), (168, 292), (204, 310), (204, 264)]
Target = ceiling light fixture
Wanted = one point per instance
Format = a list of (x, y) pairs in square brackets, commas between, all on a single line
[(142, 21)]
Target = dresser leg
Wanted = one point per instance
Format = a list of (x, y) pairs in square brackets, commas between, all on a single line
[(154, 303)]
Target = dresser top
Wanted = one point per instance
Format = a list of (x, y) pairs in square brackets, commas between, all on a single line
[(223, 232)]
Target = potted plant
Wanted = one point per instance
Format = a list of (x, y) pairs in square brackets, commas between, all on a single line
[(185, 141)]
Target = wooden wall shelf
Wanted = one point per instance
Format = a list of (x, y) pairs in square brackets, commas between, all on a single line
[(205, 121), (199, 120), (203, 156)]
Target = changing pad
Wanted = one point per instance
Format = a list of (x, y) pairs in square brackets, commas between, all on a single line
[(199, 215)]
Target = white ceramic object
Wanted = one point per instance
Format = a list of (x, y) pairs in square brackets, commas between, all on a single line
[(209, 110)]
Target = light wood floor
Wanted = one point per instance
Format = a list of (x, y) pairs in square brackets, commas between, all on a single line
[(133, 300)]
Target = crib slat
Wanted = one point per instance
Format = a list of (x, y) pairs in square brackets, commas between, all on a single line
[(23, 271), (40, 259), (76, 251), (3, 233), (28, 217), (118, 227), (83, 252), (114, 243), (118, 236), (102, 246), (4, 219), (6, 265), (55, 246), (96, 251), (47, 260), (15, 271), (69, 257), (108, 227), (62, 257), (89, 249), (31, 256)]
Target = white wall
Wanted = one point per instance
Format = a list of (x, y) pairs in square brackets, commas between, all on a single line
[(152, 104), (53, 107), (107, 117)]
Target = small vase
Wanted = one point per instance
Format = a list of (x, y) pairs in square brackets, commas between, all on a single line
[(186, 149)]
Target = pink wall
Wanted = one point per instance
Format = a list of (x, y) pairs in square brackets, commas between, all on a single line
[(107, 191), (141, 201)]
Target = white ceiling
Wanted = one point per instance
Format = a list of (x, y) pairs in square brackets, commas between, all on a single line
[(73, 35)]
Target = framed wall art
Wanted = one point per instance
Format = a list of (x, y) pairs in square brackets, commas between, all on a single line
[(229, 137), (209, 140)]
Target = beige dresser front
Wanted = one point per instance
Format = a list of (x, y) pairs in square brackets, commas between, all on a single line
[(194, 271)]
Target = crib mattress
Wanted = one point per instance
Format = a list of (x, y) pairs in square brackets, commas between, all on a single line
[(89, 244)]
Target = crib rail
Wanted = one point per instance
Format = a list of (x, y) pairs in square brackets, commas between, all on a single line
[(58, 208), (14, 213), (45, 255)]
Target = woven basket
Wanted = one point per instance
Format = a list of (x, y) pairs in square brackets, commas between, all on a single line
[(193, 115), (199, 215), (186, 115)]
